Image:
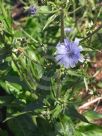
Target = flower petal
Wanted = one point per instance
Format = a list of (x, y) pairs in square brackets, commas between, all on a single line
[(72, 63), (81, 59), (81, 48), (77, 40), (58, 57), (66, 42), (61, 49), (66, 62)]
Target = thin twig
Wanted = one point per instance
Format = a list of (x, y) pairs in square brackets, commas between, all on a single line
[(91, 34), (75, 10), (89, 103)]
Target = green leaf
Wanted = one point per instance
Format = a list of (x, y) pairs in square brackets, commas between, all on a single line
[(89, 130), (17, 115), (56, 111), (3, 132), (99, 84), (73, 73), (5, 100), (24, 124), (43, 9), (51, 19), (65, 126), (91, 115), (75, 115)]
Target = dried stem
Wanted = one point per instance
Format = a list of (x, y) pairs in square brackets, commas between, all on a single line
[(86, 105)]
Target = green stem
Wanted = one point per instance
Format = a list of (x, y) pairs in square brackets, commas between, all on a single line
[(58, 83), (62, 25), (62, 40)]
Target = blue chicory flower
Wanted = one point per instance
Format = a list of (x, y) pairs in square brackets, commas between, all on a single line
[(32, 10), (68, 30), (68, 53)]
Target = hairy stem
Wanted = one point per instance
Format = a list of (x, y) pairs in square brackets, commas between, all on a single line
[(62, 25)]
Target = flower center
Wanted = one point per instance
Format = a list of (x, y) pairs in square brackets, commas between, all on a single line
[(70, 53)]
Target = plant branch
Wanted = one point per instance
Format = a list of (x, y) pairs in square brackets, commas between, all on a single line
[(87, 104), (62, 25), (91, 34)]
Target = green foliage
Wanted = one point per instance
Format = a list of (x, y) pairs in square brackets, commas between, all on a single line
[(42, 97)]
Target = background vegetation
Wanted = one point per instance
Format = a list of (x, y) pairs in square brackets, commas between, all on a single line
[(37, 96)]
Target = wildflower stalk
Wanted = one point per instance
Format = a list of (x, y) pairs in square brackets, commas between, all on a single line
[(62, 41), (62, 25), (58, 83)]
